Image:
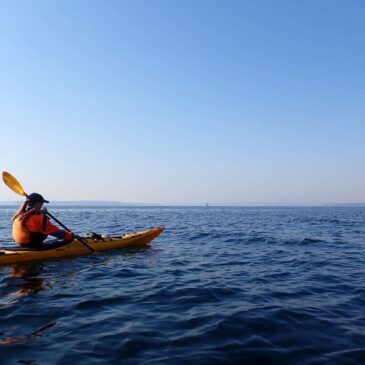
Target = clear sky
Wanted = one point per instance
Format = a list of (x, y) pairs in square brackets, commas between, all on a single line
[(185, 101)]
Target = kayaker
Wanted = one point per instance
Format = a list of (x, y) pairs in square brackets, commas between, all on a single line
[(31, 225)]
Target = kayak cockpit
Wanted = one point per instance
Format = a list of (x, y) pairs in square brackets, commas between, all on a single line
[(50, 245)]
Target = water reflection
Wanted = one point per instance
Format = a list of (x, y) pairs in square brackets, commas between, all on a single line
[(27, 278), (27, 362), (35, 333)]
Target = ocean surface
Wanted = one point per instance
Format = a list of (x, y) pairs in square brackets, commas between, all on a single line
[(255, 285)]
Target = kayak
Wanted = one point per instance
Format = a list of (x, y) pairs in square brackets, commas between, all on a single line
[(76, 248)]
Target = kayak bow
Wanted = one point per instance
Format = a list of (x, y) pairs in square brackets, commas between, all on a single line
[(75, 248)]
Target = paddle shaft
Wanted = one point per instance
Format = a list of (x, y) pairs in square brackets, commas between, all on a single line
[(63, 226), (57, 221)]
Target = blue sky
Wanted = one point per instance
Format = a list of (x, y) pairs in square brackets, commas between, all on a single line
[(184, 101)]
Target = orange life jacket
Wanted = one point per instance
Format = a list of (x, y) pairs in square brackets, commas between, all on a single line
[(30, 227), (33, 228), (21, 233)]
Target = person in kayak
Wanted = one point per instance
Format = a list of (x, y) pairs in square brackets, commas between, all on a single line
[(31, 225)]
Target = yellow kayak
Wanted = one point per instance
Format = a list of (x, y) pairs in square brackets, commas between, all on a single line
[(76, 248)]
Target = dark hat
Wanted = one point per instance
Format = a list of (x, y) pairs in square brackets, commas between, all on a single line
[(36, 198)]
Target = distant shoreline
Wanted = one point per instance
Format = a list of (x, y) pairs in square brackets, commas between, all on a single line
[(91, 203), (94, 203)]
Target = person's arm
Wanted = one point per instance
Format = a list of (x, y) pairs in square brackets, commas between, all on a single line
[(21, 209), (62, 235), (54, 231)]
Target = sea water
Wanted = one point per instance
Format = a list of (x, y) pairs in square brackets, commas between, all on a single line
[(252, 285)]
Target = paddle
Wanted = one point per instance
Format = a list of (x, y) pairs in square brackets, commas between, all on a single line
[(15, 185)]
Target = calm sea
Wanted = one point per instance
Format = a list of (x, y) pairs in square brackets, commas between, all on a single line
[(219, 286)]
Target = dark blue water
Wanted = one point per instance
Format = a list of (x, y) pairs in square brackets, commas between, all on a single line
[(219, 286)]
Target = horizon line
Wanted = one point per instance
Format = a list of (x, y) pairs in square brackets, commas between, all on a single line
[(188, 204)]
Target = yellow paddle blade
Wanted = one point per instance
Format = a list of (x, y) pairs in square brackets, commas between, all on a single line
[(13, 183)]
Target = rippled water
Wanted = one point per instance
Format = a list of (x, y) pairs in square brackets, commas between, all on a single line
[(219, 286)]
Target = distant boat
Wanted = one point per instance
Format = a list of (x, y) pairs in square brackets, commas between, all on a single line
[(206, 205)]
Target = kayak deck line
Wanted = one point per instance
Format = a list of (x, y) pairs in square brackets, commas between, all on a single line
[(75, 248)]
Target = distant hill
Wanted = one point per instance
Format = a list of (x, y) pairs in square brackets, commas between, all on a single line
[(93, 203), (96, 203), (346, 205)]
